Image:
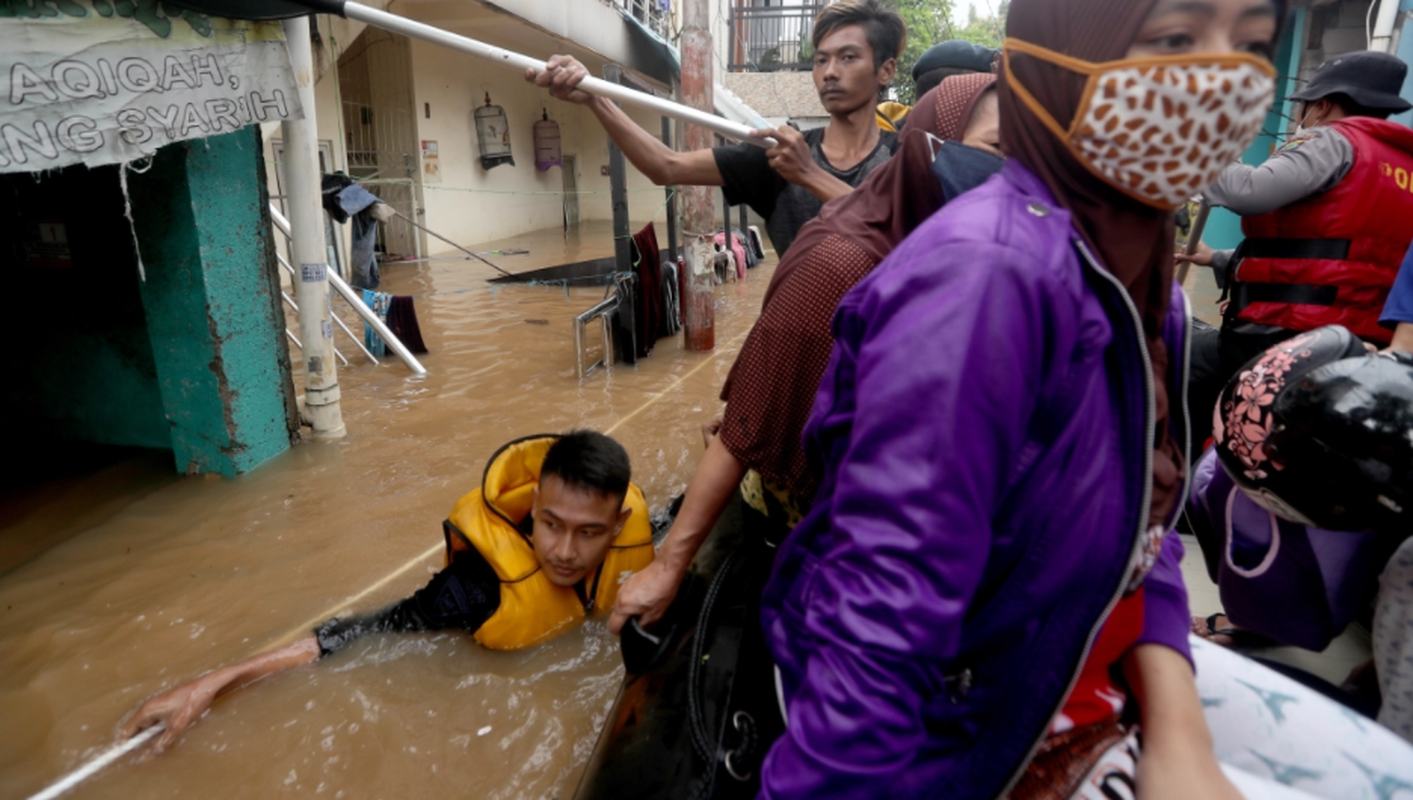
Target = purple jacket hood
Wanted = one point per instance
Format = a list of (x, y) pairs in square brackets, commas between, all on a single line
[(985, 435)]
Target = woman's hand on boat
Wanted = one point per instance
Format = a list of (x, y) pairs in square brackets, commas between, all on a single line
[(178, 708), (646, 595)]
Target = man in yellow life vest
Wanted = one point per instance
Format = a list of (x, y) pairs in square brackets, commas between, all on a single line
[(554, 530)]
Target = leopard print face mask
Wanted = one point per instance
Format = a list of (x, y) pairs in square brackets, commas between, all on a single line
[(1158, 129)]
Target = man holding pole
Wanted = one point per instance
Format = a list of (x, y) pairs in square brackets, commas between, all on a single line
[(856, 47)]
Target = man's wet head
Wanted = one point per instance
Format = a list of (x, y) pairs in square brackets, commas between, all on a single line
[(579, 508), (856, 47)]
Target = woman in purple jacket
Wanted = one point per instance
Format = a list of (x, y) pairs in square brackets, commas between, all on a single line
[(1000, 460)]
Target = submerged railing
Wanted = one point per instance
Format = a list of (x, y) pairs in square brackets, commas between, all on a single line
[(346, 292), (603, 312)]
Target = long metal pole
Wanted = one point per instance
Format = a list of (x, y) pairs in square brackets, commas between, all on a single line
[(700, 115), (419, 226), (1194, 238), (316, 328), (698, 210), (379, 327)]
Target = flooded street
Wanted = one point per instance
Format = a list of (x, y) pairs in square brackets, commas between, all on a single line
[(130, 579)]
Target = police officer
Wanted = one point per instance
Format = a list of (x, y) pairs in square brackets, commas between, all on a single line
[(1326, 223)]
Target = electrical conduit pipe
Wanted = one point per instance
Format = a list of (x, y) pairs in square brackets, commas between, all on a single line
[(311, 289)]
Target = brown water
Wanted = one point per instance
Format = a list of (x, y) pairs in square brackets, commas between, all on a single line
[(131, 579)]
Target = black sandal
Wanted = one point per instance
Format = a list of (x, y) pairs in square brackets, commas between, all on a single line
[(1240, 637)]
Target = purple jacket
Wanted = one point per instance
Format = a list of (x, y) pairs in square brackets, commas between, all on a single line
[(985, 430), (1296, 584)]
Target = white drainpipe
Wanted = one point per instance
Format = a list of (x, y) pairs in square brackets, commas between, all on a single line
[(1382, 40), (306, 212)]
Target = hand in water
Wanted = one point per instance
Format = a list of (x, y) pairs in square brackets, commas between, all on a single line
[(646, 595), (181, 706), (178, 707), (561, 75)]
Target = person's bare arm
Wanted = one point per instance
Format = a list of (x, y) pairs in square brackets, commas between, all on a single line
[(1403, 337), (179, 707), (663, 165), (648, 594), (1177, 760)]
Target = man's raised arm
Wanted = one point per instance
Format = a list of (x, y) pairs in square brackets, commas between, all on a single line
[(663, 165)]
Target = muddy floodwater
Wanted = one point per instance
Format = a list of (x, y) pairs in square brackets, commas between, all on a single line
[(124, 579)]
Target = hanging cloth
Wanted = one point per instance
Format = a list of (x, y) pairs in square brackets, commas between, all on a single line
[(379, 302), (402, 321), (648, 311)]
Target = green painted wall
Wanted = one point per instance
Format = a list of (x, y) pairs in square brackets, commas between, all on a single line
[(212, 302), (79, 362)]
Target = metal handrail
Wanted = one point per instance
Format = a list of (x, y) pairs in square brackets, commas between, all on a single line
[(339, 322), (603, 311), (379, 327)]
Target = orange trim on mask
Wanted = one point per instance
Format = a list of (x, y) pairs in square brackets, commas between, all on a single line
[(1091, 70)]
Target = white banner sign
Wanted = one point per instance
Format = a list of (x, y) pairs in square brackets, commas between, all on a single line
[(105, 81)]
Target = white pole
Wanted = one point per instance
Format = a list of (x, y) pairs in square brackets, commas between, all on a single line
[(311, 286), (592, 85), (1383, 26), (97, 763)]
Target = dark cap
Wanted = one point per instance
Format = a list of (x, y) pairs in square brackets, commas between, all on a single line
[(956, 53), (1369, 78)]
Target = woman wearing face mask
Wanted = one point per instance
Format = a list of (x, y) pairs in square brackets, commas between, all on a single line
[(985, 573)]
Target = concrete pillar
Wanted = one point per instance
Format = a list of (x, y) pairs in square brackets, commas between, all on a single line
[(212, 303), (698, 211)]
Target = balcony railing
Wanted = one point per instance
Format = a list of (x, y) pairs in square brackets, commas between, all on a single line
[(652, 13), (766, 38)]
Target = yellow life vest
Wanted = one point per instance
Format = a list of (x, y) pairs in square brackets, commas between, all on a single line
[(533, 609), (891, 115)]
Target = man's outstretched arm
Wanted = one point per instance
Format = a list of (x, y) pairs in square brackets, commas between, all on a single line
[(663, 165), (461, 596), (181, 706)]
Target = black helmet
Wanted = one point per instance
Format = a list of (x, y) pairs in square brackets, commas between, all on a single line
[(1320, 431)]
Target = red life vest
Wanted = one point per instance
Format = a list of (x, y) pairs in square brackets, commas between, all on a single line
[(1332, 258)]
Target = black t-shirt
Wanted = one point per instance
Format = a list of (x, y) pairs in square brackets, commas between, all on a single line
[(462, 596), (785, 206)]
